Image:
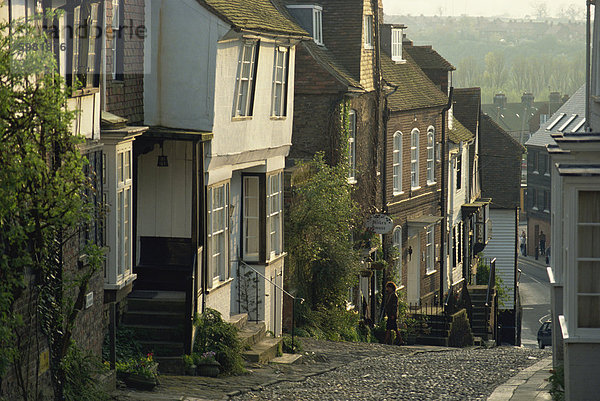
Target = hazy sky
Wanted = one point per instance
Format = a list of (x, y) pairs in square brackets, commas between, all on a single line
[(512, 8)]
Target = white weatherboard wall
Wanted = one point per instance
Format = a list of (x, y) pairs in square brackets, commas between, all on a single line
[(503, 247), (180, 53)]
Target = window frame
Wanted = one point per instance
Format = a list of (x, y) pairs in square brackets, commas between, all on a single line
[(397, 36), (317, 14), (397, 244), (274, 217), (218, 271), (414, 159), (280, 85), (123, 169), (352, 146), (397, 163), (430, 250), (257, 216), (118, 45), (577, 258), (459, 168), (368, 31), (431, 156), (246, 93)]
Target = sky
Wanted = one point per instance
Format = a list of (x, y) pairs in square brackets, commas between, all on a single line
[(486, 8)]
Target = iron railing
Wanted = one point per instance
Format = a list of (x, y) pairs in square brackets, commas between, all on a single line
[(257, 274)]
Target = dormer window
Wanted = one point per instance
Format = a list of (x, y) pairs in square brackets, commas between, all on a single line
[(397, 44), (310, 17), (318, 25)]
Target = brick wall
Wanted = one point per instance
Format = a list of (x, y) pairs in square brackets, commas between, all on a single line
[(126, 98), (421, 202)]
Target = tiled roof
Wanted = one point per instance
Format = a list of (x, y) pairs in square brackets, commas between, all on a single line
[(427, 58), (569, 118), (415, 90), (254, 15), (328, 61), (467, 104), (459, 132), (500, 165), (513, 117)]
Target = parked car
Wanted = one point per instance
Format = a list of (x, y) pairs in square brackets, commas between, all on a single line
[(544, 335)]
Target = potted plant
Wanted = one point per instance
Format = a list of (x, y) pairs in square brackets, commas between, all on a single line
[(141, 373), (207, 365), (190, 365)]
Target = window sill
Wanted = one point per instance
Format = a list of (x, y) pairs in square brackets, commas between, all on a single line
[(84, 92), (534, 208), (241, 118), (120, 283), (429, 273), (352, 180), (535, 172), (398, 193), (277, 118), (546, 211), (547, 174), (415, 188), (430, 183), (276, 258), (368, 47), (220, 284)]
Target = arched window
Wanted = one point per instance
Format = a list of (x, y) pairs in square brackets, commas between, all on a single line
[(397, 243), (352, 146), (397, 163), (430, 155), (414, 159)]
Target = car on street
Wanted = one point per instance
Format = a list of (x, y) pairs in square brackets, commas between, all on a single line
[(544, 335)]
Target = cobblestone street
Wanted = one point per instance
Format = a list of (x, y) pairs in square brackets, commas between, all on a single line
[(357, 371)]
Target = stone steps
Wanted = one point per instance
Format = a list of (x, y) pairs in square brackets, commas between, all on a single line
[(263, 351)]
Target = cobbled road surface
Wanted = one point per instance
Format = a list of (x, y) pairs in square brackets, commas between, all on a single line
[(376, 372)]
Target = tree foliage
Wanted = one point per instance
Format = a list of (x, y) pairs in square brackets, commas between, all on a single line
[(42, 206), (323, 262)]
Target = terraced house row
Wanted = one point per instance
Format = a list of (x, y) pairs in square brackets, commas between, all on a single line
[(195, 112)]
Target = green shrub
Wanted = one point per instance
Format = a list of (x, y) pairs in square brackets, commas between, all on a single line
[(332, 324), (214, 334), (557, 381), (127, 345), (287, 344), (460, 330), (81, 370)]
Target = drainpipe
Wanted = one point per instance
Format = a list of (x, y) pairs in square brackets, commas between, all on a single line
[(588, 82), (444, 198)]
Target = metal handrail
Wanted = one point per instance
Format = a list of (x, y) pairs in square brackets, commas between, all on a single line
[(284, 292)]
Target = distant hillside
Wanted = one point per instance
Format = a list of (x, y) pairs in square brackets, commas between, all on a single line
[(508, 55)]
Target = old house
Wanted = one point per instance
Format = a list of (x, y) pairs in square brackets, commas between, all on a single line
[(207, 229), (337, 83), (415, 115), (575, 263), (500, 175)]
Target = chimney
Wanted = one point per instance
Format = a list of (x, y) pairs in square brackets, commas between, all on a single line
[(554, 102), (406, 42), (391, 41), (500, 100), (527, 100)]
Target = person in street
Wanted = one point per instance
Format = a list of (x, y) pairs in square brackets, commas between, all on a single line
[(542, 243), (391, 311), (548, 256), (523, 239)]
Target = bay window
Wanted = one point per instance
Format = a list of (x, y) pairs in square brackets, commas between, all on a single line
[(280, 71), (251, 218), (244, 89), (123, 210)]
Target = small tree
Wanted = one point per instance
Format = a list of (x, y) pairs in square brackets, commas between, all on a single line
[(42, 207), (323, 262)]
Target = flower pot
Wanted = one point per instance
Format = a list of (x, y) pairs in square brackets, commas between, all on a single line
[(140, 382), (190, 370), (208, 368)]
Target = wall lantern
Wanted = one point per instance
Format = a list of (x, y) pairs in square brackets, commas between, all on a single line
[(162, 159)]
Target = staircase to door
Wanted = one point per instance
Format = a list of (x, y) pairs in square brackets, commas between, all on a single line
[(482, 322)]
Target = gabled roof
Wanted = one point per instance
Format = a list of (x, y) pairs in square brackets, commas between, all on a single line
[(254, 15), (569, 118), (513, 117), (500, 165), (328, 61), (427, 58), (467, 104), (415, 90), (459, 133)]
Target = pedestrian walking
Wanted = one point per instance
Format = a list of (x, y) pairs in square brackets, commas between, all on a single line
[(542, 243), (391, 311), (523, 240)]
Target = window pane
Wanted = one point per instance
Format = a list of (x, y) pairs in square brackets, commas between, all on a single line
[(588, 311), (120, 166), (589, 241), (589, 207), (588, 277)]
